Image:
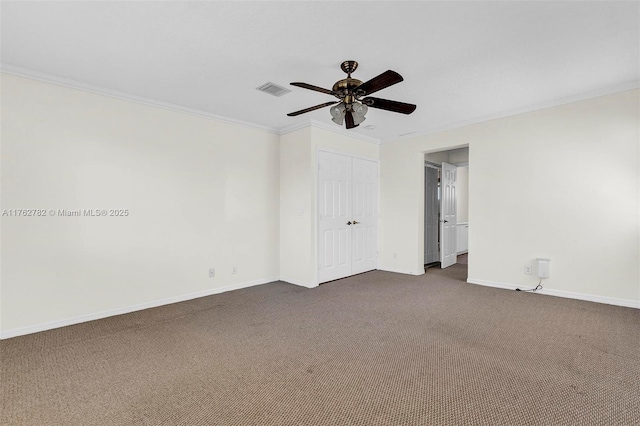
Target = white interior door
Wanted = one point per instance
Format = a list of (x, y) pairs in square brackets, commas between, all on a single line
[(365, 218), (448, 218), (334, 212), (347, 216)]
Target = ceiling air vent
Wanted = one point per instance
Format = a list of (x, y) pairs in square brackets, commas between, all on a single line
[(273, 89)]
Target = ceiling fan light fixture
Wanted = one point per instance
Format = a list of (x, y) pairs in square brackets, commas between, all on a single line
[(359, 112), (357, 120), (360, 109), (337, 113)]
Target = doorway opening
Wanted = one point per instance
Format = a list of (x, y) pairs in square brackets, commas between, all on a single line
[(446, 208)]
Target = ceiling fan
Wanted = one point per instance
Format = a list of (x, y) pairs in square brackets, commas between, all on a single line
[(352, 107)]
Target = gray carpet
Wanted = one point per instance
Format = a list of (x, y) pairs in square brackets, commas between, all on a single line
[(375, 349)]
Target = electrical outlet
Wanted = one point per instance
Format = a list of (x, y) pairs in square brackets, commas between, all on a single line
[(528, 270), (212, 273), (234, 270)]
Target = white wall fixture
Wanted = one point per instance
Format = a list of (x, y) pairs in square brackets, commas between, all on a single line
[(543, 268)]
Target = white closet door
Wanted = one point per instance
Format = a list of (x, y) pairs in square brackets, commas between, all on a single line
[(347, 216), (334, 212), (365, 216)]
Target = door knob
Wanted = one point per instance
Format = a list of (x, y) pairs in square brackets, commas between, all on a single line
[(349, 223), (355, 222)]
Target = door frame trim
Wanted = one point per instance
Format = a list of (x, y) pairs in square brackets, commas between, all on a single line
[(434, 166)]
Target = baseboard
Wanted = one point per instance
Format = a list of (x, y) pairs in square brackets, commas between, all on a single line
[(298, 282), (628, 303), (492, 284), (128, 309), (402, 271), (132, 308)]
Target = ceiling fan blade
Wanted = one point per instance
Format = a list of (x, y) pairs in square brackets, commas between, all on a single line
[(348, 120), (316, 88), (302, 111), (388, 105), (386, 79)]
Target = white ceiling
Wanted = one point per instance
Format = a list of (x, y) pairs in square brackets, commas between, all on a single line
[(462, 61)]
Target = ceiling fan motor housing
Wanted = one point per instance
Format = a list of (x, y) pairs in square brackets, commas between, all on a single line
[(345, 87)]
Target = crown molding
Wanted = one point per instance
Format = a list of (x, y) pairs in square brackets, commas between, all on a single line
[(295, 126), (73, 84), (328, 127), (550, 104), (89, 88)]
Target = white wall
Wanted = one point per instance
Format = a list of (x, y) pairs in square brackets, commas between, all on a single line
[(462, 194), (561, 182), (201, 193), (437, 157), (451, 156), (459, 156), (296, 204), (299, 196)]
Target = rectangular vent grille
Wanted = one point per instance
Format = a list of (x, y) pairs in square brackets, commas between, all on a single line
[(273, 89)]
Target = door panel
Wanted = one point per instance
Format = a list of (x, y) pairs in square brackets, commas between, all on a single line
[(327, 253), (343, 255), (365, 206), (334, 211), (448, 218)]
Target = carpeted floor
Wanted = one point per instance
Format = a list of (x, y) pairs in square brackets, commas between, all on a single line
[(375, 349)]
